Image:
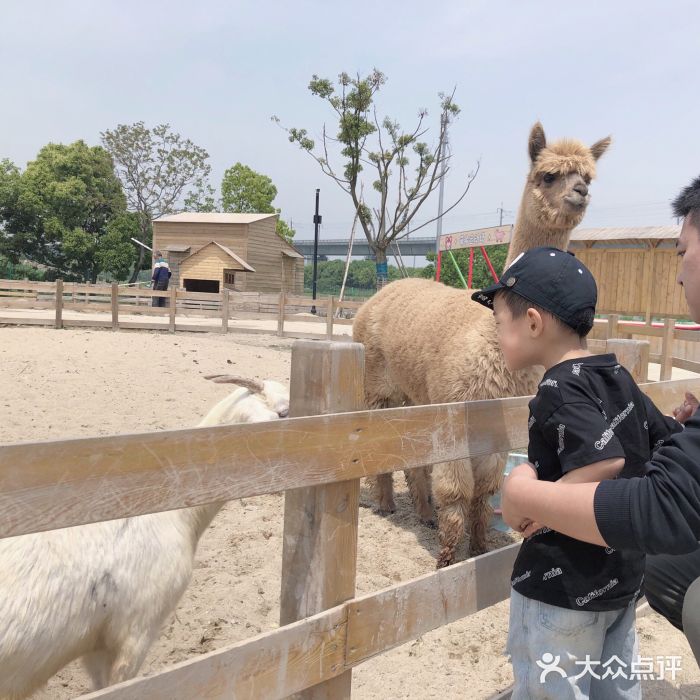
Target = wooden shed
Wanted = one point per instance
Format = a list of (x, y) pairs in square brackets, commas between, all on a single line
[(636, 269), (212, 251)]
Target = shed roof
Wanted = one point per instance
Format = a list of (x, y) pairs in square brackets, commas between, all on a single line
[(239, 260), (627, 233), (191, 217)]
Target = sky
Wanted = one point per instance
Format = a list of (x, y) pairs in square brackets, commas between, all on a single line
[(217, 72)]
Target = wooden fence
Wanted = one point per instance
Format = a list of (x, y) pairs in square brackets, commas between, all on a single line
[(116, 302), (317, 457)]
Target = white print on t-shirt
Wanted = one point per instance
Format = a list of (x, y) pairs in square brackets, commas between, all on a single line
[(531, 422), (556, 571), (576, 368), (608, 435), (518, 579), (550, 382), (609, 550), (560, 432), (596, 593), (646, 425), (616, 369)]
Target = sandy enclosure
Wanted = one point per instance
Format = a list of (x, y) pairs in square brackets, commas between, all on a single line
[(73, 383)]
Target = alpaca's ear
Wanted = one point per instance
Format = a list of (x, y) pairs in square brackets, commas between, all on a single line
[(599, 147), (537, 141)]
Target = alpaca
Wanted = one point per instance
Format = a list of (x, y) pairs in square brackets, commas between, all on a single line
[(428, 343), (102, 591)]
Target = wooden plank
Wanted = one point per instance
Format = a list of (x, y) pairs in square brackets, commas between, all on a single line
[(667, 350), (305, 318), (192, 328), (59, 304), (25, 303), (132, 309), (350, 304), (689, 365), (381, 621), (280, 317), (85, 323), (47, 485), (213, 297), (613, 320), (88, 307), (320, 523), (272, 666), (17, 321), (172, 309), (143, 325), (329, 318), (126, 292), (225, 312), (633, 355), (692, 336), (25, 285)]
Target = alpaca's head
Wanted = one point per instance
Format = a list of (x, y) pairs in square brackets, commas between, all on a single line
[(557, 195)]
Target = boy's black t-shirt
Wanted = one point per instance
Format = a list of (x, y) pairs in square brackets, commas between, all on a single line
[(585, 411)]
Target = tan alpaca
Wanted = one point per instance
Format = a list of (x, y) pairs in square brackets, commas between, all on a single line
[(428, 343)]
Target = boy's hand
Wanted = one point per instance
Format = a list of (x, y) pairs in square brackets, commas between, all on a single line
[(511, 515), (687, 408)]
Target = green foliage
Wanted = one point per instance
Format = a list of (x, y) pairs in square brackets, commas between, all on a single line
[(243, 190), (115, 252), (19, 271), (403, 169), (161, 172), (482, 277), (362, 275), (57, 211)]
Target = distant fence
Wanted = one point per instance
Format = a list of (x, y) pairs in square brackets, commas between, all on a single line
[(114, 306)]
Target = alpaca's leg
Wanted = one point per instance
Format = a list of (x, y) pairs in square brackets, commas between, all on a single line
[(453, 486), (419, 486), (98, 665), (383, 490), (488, 477)]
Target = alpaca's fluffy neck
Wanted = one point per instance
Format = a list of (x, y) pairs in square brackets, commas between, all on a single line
[(532, 230)]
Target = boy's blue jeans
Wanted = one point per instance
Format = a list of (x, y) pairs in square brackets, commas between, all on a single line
[(557, 638)]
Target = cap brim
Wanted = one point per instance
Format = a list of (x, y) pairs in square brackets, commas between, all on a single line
[(485, 296)]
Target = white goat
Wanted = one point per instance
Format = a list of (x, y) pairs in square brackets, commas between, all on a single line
[(102, 591)]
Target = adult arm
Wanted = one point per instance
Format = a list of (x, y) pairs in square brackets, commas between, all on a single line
[(657, 513)]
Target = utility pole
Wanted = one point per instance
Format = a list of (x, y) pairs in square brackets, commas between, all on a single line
[(500, 218), (317, 223)]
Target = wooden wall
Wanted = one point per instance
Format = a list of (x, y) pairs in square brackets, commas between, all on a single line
[(257, 243), (636, 281)]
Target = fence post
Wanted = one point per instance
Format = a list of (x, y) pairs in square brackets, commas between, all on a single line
[(633, 355), (115, 306), (224, 312), (173, 303), (329, 319), (320, 524), (280, 318), (59, 304), (612, 326), (667, 349)]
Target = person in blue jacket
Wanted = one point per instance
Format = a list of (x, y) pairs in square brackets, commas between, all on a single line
[(160, 278)]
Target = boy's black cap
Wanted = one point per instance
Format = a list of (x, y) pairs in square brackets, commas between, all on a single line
[(550, 278)]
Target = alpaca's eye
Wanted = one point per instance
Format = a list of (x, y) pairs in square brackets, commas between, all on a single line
[(549, 178)]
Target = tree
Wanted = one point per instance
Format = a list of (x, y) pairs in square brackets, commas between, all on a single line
[(115, 252), (57, 212), (363, 141), (481, 275), (245, 191), (161, 173)]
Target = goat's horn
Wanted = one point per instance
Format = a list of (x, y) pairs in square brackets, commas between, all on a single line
[(254, 385)]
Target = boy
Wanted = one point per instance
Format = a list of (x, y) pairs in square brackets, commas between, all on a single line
[(160, 278), (572, 609)]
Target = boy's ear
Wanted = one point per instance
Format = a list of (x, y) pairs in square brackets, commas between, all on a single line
[(535, 322)]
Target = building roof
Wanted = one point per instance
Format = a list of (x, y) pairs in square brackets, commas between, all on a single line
[(177, 248), (191, 217), (292, 253), (243, 264), (626, 233)]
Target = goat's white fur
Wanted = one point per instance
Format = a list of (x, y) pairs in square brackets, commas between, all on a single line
[(102, 591)]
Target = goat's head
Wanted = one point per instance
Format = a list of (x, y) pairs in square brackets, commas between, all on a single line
[(274, 394)]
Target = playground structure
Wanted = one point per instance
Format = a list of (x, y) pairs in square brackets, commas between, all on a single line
[(318, 460)]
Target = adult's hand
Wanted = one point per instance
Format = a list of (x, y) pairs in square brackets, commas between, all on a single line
[(687, 408), (512, 515)]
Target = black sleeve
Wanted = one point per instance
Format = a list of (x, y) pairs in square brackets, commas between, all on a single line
[(661, 427), (581, 436), (660, 512)]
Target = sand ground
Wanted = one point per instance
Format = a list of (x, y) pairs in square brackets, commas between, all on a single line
[(73, 383)]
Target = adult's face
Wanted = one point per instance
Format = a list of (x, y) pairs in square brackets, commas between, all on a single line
[(689, 274)]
